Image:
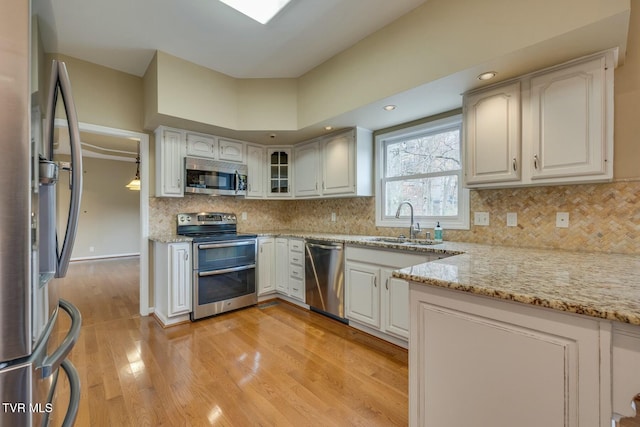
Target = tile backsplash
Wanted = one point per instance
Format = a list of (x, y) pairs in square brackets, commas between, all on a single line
[(602, 217)]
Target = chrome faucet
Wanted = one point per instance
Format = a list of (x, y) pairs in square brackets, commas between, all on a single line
[(414, 229)]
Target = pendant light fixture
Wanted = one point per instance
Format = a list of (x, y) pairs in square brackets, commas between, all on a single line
[(134, 185)]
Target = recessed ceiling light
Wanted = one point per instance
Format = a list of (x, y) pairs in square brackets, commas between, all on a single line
[(261, 10), (328, 128), (487, 76), (389, 107)]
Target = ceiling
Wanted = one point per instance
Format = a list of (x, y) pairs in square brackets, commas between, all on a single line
[(124, 34)]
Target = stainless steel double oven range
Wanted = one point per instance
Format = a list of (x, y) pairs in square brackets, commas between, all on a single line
[(224, 263)]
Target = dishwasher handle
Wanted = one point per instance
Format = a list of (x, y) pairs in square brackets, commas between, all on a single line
[(328, 246)]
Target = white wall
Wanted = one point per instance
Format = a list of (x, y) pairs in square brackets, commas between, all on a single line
[(109, 213)]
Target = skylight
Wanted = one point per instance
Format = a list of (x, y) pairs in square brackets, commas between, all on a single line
[(258, 10)]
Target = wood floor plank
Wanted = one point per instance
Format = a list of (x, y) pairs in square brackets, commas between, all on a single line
[(270, 365)]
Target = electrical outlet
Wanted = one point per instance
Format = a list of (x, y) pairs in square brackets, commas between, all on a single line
[(562, 219), (481, 218), (244, 216), (333, 217), (512, 219)]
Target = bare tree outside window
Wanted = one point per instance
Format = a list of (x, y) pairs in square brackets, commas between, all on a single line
[(426, 170)]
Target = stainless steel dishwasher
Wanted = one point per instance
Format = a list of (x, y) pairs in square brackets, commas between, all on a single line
[(324, 278)]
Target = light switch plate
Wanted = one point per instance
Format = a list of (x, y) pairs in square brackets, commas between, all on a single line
[(562, 219), (481, 218), (244, 216), (333, 217), (512, 219)]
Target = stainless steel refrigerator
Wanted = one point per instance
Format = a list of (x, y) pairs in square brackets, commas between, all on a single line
[(31, 258)]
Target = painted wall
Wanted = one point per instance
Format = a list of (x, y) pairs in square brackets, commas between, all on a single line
[(406, 54), (180, 89), (104, 96), (627, 105), (412, 51), (109, 213)]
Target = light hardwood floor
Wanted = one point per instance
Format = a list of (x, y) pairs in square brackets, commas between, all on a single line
[(270, 365)]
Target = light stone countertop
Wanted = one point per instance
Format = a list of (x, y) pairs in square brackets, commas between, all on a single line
[(600, 285), (170, 238)]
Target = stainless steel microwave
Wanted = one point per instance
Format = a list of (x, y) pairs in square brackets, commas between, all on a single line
[(204, 176)]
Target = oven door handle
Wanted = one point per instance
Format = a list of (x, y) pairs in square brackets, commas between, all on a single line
[(226, 270), (226, 244)]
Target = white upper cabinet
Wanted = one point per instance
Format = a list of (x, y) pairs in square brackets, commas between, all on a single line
[(307, 163), (256, 164), (492, 133), (279, 172), (170, 151), (202, 146), (232, 151), (337, 165), (551, 127), (569, 121)]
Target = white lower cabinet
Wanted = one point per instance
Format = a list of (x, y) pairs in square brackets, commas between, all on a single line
[(375, 301), (296, 269), (282, 265), (396, 295), (266, 266), (486, 362), (363, 294), (172, 274)]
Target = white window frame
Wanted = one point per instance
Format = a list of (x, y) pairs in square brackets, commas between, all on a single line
[(459, 222)]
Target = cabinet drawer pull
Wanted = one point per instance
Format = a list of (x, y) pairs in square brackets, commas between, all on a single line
[(387, 284), (515, 164), (535, 161), (375, 282)]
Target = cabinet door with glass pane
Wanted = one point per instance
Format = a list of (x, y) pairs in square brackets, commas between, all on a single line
[(280, 172)]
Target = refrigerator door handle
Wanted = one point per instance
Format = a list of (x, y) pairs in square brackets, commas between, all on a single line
[(76, 170), (53, 361), (52, 99), (74, 393)]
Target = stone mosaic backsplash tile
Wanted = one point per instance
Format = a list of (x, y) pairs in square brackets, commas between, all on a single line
[(602, 217)]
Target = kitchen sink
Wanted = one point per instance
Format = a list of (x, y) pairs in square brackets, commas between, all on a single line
[(404, 241), (398, 240)]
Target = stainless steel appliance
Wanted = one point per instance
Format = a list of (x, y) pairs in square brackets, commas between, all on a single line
[(31, 351), (224, 263), (204, 176), (324, 278)]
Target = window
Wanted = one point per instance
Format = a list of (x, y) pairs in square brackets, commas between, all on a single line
[(423, 165)]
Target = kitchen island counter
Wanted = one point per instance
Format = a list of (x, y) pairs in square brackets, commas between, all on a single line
[(605, 286)]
